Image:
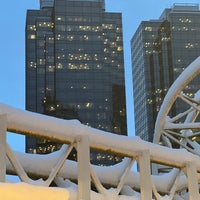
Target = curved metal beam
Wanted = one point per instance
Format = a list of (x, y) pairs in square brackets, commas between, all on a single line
[(181, 82)]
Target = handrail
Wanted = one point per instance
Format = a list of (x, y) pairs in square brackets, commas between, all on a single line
[(66, 131)]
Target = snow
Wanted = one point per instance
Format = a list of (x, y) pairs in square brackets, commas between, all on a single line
[(23, 191), (67, 131), (34, 164)]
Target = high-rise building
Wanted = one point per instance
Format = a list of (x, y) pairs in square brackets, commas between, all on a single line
[(161, 50), (75, 68)]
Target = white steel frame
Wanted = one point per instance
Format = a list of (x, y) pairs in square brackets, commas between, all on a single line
[(185, 165)]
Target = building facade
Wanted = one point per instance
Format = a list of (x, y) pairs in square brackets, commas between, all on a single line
[(161, 49), (75, 67)]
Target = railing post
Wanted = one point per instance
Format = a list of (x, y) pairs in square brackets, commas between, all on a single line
[(84, 179), (192, 177), (145, 175), (3, 129)]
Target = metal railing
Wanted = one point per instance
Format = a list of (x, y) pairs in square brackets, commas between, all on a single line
[(72, 134)]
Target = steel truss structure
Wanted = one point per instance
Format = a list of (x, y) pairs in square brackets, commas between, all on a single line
[(180, 182)]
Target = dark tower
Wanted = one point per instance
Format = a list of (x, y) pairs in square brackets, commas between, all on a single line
[(75, 67), (161, 50)]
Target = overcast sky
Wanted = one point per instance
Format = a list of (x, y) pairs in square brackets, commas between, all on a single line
[(12, 34)]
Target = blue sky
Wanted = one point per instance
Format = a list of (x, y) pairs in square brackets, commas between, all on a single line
[(12, 34)]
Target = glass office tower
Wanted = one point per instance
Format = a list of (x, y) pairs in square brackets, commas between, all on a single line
[(161, 49), (75, 68)]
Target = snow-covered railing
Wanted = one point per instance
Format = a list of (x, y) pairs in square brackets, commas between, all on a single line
[(120, 176), (67, 131), (183, 165)]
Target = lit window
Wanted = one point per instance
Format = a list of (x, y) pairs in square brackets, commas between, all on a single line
[(108, 26), (95, 57), (148, 28), (51, 68), (118, 39), (88, 105), (85, 37), (106, 41), (99, 66), (31, 27), (51, 108), (189, 46), (113, 44), (185, 20), (119, 48), (41, 61), (85, 28), (32, 37), (105, 50), (96, 28), (32, 64), (59, 66), (70, 37), (118, 29)]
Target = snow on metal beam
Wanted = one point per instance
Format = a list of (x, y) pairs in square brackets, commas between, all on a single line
[(66, 131)]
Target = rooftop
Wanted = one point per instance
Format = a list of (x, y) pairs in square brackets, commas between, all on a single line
[(185, 7)]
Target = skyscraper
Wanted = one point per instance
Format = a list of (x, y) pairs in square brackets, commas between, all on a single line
[(75, 67), (161, 49)]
